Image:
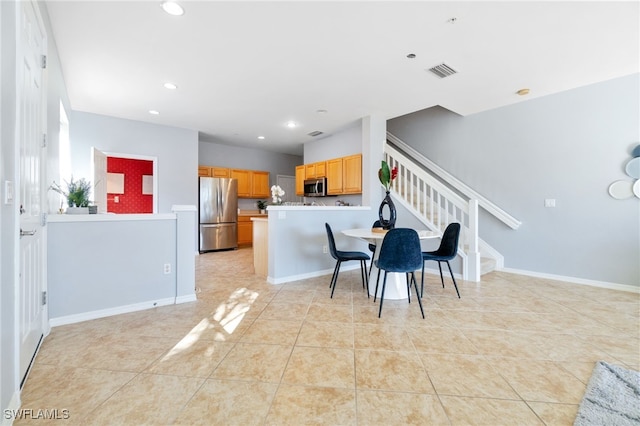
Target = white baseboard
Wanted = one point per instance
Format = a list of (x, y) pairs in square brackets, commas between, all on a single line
[(186, 298), (573, 280), (14, 405), (313, 274), (86, 316), (351, 267)]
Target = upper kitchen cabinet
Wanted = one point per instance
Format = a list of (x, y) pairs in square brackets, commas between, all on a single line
[(204, 171), (352, 174), (300, 177), (208, 171), (344, 175), (220, 172), (315, 170), (334, 176), (260, 184), (251, 183), (244, 182)]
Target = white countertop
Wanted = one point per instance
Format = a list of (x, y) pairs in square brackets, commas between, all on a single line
[(108, 217), (303, 208)]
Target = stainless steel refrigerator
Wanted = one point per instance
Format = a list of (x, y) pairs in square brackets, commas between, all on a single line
[(218, 213)]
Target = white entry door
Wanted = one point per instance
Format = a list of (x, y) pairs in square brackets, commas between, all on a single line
[(32, 150)]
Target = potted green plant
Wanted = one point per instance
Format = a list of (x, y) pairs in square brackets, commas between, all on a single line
[(262, 206), (77, 194)]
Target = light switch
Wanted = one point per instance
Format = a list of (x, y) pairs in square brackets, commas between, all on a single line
[(549, 202), (8, 192), (116, 199)]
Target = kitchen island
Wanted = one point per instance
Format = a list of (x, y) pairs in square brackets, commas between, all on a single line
[(297, 239)]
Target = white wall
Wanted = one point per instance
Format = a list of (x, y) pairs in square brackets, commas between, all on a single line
[(176, 150), (568, 146)]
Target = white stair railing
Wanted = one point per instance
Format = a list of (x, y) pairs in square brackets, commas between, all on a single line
[(437, 206), (453, 182)]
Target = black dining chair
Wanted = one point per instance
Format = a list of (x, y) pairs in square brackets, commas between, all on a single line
[(372, 246), (400, 252), (345, 256), (447, 251)]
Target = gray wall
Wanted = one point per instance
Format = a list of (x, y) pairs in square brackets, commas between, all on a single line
[(176, 150), (217, 154), (121, 264), (347, 141), (569, 146), (340, 144)]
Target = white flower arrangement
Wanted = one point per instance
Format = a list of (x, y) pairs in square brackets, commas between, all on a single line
[(276, 194)]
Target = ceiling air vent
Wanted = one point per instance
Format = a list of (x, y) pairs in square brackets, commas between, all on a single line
[(315, 133), (443, 70)]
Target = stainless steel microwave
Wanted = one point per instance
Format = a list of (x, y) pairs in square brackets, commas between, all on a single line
[(315, 187)]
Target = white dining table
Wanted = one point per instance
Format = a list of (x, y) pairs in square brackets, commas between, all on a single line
[(396, 282)]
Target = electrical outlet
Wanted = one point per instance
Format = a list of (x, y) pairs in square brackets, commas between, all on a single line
[(325, 249), (167, 268), (549, 202)]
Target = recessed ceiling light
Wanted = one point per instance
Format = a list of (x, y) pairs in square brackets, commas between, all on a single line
[(172, 8), (153, 112), (261, 137), (291, 124), (170, 86), (523, 92), (321, 111), (411, 55)]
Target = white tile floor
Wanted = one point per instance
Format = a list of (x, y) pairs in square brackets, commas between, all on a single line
[(512, 350)]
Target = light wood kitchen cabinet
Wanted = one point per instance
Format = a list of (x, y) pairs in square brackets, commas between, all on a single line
[(300, 177), (352, 174), (316, 170), (252, 183), (334, 176), (204, 171), (244, 182), (212, 171), (344, 175), (260, 184), (245, 230), (220, 172)]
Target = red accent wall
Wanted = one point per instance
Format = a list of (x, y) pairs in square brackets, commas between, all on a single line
[(132, 201)]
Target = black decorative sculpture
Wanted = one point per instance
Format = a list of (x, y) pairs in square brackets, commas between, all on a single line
[(387, 176), (391, 222)]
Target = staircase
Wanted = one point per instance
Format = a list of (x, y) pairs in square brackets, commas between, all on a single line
[(436, 198)]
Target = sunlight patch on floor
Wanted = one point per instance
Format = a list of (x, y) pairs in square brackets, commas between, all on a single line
[(228, 315)]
